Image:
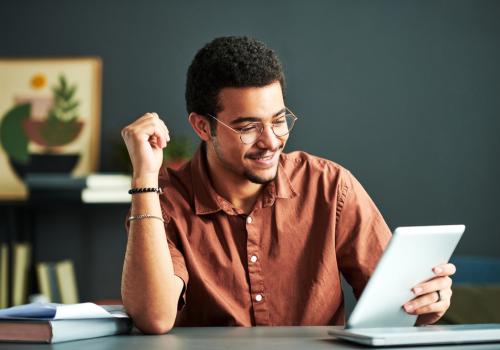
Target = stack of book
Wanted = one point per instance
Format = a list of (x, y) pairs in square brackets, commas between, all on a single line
[(94, 188), (54, 323), (57, 281)]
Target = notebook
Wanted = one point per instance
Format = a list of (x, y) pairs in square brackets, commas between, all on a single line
[(379, 319)]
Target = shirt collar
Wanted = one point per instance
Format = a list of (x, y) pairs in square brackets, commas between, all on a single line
[(282, 183), (205, 197), (207, 201)]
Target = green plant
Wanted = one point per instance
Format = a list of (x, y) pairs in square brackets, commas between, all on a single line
[(178, 148), (61, 126), (65, 105)]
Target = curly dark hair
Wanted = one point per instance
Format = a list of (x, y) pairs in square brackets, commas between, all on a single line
[(229, 62)]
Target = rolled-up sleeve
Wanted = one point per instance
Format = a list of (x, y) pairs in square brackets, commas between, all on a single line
[(178, 261)]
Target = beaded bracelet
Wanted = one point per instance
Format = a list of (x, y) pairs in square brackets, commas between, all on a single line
[(145, 189)]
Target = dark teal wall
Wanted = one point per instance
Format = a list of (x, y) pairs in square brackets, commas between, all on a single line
[(406, 94)]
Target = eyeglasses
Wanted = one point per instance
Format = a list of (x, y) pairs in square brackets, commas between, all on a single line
[(281, 126)]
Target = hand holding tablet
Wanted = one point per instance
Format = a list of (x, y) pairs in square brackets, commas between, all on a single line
[(407, 262), (432, 297)]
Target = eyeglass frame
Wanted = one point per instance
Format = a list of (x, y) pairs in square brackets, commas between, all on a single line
[(263, 125)]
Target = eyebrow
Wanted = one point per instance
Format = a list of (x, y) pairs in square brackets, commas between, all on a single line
[(255, 119)]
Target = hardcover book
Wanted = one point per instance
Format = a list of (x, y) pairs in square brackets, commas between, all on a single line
[(54, 323)]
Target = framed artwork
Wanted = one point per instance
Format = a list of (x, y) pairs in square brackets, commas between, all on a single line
[(49, 119)]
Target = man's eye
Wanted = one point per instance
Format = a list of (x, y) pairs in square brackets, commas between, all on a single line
[(280, 121), (248, 129)]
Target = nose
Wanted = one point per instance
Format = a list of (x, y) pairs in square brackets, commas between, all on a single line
[(268, 140)]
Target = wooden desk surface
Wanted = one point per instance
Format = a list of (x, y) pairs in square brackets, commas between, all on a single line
[(226, 338)]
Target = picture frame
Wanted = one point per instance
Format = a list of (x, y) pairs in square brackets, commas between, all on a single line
[(50, 110)]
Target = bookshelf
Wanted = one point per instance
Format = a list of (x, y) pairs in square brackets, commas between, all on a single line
[(55, 224)]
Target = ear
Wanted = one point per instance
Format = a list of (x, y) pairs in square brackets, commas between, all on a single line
[(200, 125)]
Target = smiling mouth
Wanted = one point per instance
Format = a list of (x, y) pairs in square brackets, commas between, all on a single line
[(262, 156), (265, 160)]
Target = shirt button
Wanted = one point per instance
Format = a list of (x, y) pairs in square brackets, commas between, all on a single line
[(253, 258), (258, 297), (249, 220)]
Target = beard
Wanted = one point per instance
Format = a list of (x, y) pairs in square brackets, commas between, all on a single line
[(259, 179), (247, 173)]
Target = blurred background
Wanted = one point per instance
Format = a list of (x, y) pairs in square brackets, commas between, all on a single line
[(405, 94)]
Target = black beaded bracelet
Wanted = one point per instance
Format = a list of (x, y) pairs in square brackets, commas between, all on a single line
[(145, 189)]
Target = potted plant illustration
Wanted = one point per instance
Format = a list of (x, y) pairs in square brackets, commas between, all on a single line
[(49, 133)]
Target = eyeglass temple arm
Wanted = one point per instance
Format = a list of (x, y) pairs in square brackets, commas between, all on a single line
[(227, 126)]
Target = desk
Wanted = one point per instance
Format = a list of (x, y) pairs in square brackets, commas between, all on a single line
[(207, 338)]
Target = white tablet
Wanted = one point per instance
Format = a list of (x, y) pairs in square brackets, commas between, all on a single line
[(407, 261)]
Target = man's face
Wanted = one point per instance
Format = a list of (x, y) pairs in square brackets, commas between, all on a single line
[(256, 162)]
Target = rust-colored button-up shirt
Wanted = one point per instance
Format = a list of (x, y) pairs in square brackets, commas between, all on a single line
[(281, 264)]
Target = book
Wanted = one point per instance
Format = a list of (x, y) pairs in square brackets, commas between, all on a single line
[(65, 181), (47, 281), (54, 323), (44, 281), (4, 275), (108, 181), (66, 282), (21, 264), (90, 195), (56, 331), (93, 188)]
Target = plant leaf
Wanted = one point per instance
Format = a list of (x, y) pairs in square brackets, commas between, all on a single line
[(71, 92), (12, 135)]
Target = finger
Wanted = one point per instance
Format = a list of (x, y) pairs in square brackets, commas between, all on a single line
[(148, 115), (435, 284), (157, 141), (435, 307), (145, 129), (420, 302), (443, 297), (153, 141), (444, 270), (167, 132), (166, 138), (144, 120), (159, 137)]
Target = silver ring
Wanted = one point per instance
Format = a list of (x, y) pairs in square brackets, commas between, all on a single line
[(439, 296)]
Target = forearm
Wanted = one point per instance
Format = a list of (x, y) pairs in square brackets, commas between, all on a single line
[(150, 290)]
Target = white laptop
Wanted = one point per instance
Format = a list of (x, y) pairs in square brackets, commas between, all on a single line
[(379, 319)]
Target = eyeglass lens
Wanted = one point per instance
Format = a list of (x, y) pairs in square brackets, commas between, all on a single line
[(280, 127)]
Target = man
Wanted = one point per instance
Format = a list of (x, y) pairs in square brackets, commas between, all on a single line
[(245, 234)]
